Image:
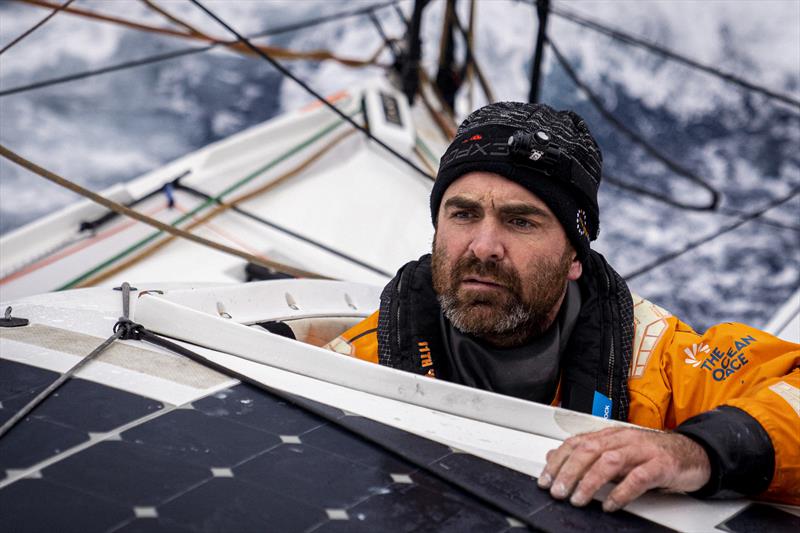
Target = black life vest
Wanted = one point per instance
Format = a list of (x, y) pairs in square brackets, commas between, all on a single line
[(594, 365)]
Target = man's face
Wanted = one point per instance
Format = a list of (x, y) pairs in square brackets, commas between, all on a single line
[(501, 259)]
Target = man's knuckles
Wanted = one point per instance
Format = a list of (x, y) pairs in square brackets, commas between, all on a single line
[(611, 459)]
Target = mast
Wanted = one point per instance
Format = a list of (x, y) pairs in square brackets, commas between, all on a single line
[(410, 67), (542, 10)]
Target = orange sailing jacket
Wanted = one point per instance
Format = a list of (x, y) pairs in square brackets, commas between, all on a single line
[(677, 374)]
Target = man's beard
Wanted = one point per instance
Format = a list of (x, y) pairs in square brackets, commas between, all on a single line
[(505, 317)]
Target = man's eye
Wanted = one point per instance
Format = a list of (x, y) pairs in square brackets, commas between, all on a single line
[(462, 214), (521, 223)]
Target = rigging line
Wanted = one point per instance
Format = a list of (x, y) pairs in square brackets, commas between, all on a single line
[(22, 413), (444, 118), (391, 43), (188, 51), (323, 19), (60, 380), (621, 184), (105, 70), (487, 89), (470, 73), (106, 18), (70, 248), (764, 220), (282, 229), (637, 138), (35, 26), (93, 224), (313, 55), (169, 16), (484, 83), (671, 256), (286, 72), (112, 266), (55, 178), (669, 54), (486, 497)]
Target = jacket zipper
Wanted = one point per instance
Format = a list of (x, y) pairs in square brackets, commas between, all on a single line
[(399, 303), (611, 355)]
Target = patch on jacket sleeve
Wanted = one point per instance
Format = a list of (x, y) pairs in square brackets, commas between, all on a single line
[(649, 325), (788, 392), (339, 345)]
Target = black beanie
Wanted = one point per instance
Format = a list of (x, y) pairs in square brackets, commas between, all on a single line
[(551, 153)]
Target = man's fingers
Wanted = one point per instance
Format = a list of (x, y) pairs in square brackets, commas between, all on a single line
[(638, 481), (567, 464), (645, 460), (609, 466), (555, 458), (584, 454)]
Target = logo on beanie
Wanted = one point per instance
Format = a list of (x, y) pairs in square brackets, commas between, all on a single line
[(535, 155), (581, 224)]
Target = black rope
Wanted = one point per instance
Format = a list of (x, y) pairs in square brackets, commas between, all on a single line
[(192, 50), (35, 27), (42, 396), (108, 216), (486, 497), (326, 18), (386, 40), (286, 72), (639, 140), (105, 70), (60, 380), (620, 184), (669, 54), (282, 229), (636, 189), (470, 57), (729, 211), (671, 256)]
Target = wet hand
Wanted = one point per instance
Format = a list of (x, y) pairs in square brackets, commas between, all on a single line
[(640, 459)]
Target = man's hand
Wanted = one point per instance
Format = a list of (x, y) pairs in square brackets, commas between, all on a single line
[(641, 459)]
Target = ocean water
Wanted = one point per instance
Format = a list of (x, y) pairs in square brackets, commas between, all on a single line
[(113, 127)]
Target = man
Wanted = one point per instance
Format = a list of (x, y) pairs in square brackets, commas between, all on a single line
[(513, 300)]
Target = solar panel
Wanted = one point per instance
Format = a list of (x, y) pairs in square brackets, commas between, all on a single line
[(242, 459)]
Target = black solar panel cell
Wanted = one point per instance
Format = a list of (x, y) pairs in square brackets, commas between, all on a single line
[(412, 508), (313, 476), (92, 407), (344, 444), (32, 441), (127, 473), (225, 504), (193, 437), (17, 379), (249, 406), (37, 505), (153, 525)]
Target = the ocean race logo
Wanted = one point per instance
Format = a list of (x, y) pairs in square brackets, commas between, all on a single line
[(720, 363)]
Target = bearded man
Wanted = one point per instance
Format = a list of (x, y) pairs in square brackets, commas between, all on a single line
[(513, 300)]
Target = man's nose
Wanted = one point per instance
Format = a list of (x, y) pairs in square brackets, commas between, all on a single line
[(486, 243)]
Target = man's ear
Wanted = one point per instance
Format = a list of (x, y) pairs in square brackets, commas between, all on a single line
[(575, 269)]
